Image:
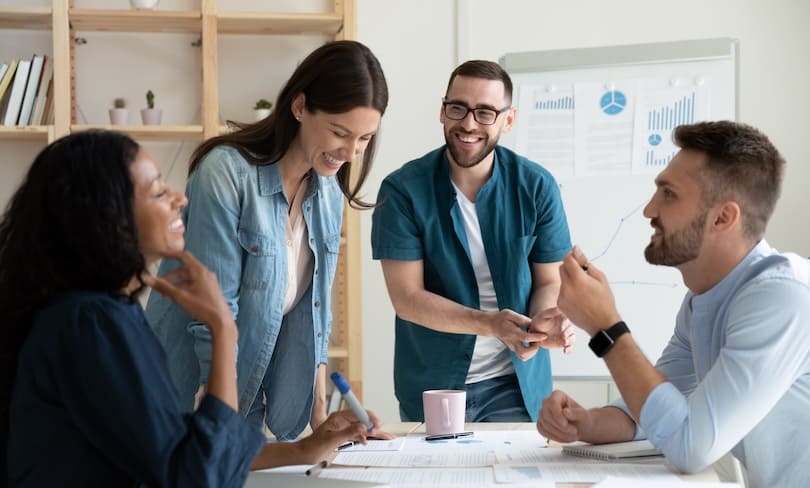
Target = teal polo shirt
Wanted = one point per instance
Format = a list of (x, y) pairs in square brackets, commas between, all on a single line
[(522, 222)]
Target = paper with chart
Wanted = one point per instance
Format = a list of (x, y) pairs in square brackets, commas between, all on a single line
[(545, 133), (662, 105), (603, 127)]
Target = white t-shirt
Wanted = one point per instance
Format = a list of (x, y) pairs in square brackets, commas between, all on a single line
[(490, 357), (300, 261)]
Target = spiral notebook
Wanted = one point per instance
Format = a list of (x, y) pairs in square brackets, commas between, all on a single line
[(617, 450)]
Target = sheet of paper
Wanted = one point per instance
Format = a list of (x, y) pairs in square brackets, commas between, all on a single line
[(544, 131), (433, 458), (377, 445), (603, 127), (585, 473), (428, 477), (662, 105), (477, 450), (616, 482)]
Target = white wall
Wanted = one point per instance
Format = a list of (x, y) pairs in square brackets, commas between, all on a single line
[(417, 44)]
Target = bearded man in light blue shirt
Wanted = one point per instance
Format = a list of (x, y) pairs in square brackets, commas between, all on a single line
[(735, 375)]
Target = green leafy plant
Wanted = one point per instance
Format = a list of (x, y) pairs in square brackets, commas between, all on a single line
[(150, 99), (119, 103), (262, 103)]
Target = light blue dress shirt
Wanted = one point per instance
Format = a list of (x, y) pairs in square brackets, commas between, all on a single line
[(235, 224), (739, 374)]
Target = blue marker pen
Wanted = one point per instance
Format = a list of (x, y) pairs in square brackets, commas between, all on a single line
[(346, 392)]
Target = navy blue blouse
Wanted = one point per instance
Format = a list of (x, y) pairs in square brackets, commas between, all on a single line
[(94, 405)]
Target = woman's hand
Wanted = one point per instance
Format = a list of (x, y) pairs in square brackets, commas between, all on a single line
[(195, 288)]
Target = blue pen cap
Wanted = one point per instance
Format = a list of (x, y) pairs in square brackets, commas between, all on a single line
[(341, 383)]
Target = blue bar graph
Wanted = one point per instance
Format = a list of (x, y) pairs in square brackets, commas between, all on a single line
[(679, 113), (561, 103), (650, 159)]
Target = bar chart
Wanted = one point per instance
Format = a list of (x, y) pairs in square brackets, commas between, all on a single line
[(668, 117), (560, 103)]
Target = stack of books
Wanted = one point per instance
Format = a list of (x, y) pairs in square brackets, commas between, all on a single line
[(26, 91)]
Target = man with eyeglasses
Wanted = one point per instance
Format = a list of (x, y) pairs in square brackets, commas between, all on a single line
[(470, 237)]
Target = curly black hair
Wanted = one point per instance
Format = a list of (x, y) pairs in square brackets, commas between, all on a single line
[(69, 226)]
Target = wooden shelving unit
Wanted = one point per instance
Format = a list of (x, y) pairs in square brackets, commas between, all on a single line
[(64, 21)]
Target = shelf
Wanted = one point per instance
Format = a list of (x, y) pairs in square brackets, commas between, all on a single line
[(278, 23), (135, 20), (338, 352), (25, 18), (151, 132), (25, 133)]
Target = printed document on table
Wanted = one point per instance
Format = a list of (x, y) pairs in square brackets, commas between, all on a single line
[(428, 477), (476, 450), (582, 473), (614, 482), (377, 445)]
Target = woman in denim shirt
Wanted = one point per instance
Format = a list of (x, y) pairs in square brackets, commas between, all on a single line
[(264, 214)]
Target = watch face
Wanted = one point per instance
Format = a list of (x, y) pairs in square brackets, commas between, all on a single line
[(600, 343)]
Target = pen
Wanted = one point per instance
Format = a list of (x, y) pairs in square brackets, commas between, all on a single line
[(317, 468), (440, 437), (351, 400), (346, 445)]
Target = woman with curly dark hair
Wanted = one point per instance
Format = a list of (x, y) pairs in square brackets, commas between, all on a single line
[(87, 398)]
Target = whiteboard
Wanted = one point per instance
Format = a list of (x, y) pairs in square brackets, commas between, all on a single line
[(604, 202)]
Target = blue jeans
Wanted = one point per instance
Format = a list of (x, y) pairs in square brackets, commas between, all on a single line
[(493, 400)]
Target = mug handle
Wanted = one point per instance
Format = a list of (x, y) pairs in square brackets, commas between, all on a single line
[(446, 411)]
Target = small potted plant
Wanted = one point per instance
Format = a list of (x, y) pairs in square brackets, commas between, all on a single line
[(151, 115), (144, 4), (119, 114), (262, 109)]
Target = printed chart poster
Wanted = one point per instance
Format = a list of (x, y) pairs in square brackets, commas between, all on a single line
[(545, 133), (603, 125), (663, 105)]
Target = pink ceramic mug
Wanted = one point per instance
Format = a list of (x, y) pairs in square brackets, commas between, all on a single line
[(444, 411)]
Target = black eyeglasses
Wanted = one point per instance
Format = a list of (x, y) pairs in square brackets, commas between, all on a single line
[(484, 116)]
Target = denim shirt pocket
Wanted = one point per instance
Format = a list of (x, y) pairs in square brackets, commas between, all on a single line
[(259, 262), (330, 255)]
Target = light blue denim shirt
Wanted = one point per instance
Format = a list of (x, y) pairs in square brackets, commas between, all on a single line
[(739, 374), (235, 224)]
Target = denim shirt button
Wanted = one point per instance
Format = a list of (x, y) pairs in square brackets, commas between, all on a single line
[(317, 304), (254, 248), (316, 271), (312, 241), (319, 334)]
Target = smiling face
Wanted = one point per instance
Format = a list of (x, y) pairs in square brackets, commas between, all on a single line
[(157, 210), (676, 212), (468, 141), (328, 141)]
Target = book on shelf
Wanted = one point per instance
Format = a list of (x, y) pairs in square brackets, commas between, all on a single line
[(31, 87), (5, 83), (17, 91), (616, 450), (42, 91), (3, 69)]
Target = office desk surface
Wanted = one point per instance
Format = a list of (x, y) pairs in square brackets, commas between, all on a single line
[(405, 428)]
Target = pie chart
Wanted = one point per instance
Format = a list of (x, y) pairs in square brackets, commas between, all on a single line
[(613, 102)]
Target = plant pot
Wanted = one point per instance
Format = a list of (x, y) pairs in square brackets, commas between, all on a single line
[(143, 4), (261, 113), (119, 116), (151, 116)]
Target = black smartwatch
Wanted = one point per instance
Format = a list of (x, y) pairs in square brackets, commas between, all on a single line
[(603, 340)]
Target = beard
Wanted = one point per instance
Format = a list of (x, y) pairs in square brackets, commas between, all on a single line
[(456, 152), (679, 246)]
